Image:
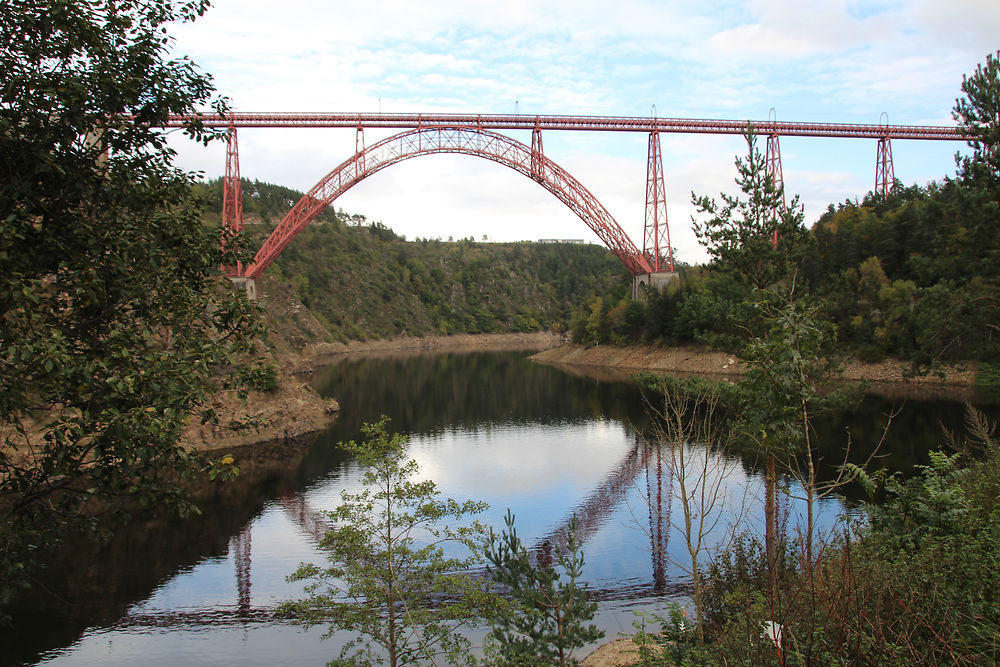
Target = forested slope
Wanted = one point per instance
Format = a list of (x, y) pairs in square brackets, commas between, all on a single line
[(913, 275), (361, 280)]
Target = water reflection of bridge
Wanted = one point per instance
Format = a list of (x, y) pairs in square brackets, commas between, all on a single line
[(598, 506), (591, 514)]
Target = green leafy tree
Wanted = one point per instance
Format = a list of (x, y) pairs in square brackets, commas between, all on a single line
[(779, 392), (756, 238), (389, 581), (597, 321), (548, 621), (115, 325)]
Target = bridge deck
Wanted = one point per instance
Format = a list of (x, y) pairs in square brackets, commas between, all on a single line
[(579, 123)]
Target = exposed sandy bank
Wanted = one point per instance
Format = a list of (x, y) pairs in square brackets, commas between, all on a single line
[(295, 409), (538, 340), (617, 653), (888, 377)]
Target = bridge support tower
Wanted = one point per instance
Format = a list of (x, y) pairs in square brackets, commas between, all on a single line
[(658, 280), (247, 284)]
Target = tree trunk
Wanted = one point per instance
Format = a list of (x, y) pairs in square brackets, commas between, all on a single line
[(771, 523)]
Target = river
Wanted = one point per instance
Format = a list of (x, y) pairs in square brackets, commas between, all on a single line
[(545, 443)]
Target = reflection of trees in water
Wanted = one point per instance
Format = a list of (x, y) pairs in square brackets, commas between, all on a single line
[(918, 427), (423, 395), (86, 584)]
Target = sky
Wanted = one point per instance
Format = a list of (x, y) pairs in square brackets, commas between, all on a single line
[(793, 60)]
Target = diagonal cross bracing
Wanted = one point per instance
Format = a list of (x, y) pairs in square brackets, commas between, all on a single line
[(468, 141)]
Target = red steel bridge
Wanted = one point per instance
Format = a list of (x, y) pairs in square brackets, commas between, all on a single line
[(477, 135)]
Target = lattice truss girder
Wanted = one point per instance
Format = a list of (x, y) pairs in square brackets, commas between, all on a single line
[(885, 174), (656, 232), (467, 141), (232, 193)]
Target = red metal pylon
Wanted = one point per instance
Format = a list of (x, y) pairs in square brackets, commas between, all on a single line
[(656, 227), (885, 175), (232, 193), (537, 155), (773, 162), (359, 144)]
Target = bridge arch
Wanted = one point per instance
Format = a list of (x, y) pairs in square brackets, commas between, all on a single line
[(443, 139)]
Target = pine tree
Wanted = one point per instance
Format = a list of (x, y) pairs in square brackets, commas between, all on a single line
[(978, 116), (548, 620), (755, 238), (389, 581)]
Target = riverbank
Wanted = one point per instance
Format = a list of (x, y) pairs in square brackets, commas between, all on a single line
[(296, 344), (407, 346), (888, 377), (295, 409)]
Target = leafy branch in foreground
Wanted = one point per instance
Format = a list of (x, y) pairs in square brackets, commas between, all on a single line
[(389, 581), (116, 324)]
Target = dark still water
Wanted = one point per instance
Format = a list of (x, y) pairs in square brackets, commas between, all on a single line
[(545, 443)]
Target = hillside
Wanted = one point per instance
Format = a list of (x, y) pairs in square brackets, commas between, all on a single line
[(360, 280)]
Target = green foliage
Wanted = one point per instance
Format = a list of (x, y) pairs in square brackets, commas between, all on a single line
[(988, 384), (932, 503), (918, 583), (624, 321), (784, 371), (548, 619), (266, 378), (389, 580), (934, 547), (115, 321), (597, 322), (262, 202), (912, 274), (675, 642)]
